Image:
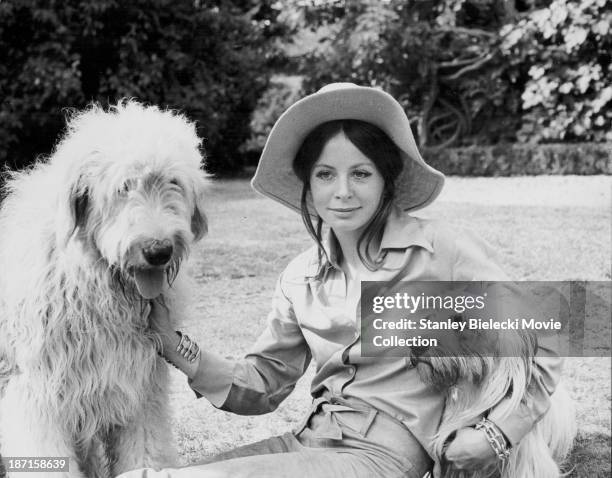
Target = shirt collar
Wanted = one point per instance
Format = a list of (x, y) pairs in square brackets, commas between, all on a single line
[(401, 232)]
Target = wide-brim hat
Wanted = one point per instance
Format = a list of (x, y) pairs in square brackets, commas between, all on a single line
[(416, 187)]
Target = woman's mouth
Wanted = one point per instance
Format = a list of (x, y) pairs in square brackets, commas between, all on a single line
[(343, 210)]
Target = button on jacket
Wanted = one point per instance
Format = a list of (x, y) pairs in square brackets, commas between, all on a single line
[(314, 316)]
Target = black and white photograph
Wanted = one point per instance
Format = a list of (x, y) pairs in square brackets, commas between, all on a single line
[(305, 238)]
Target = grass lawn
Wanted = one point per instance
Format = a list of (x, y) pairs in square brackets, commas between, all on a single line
[(539, 231)]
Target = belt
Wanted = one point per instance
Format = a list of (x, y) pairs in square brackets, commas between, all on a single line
[(337, 418), (327, 407)]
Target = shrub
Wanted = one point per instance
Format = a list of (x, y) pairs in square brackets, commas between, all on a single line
[(566, 51), (203, 57), (523, 159), (440, 59), (475, 71)]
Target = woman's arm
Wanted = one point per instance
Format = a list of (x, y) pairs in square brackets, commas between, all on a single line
[(475, 261), (170, 339), (261, 380)]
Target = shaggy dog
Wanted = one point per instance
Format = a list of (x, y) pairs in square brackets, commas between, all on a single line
[(87, 238), (481, 369)]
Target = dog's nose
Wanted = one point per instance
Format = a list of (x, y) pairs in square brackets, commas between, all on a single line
[(157, 253)]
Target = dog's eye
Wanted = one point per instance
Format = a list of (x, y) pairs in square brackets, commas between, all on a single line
[(126, 187)]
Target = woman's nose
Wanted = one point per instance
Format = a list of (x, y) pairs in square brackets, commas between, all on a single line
[(343, 189)]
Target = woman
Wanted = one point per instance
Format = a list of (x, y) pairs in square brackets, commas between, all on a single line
[(345, 158)]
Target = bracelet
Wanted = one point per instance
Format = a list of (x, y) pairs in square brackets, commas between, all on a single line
[(187, 348), (495, 438), (183, 339)]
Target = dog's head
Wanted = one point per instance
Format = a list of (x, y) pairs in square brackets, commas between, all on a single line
[(134, 192), (469, 355)]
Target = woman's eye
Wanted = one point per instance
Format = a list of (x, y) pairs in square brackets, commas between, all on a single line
[(323, 174), (359, 174)]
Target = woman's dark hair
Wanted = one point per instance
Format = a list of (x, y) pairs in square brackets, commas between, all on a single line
[(372, 142)]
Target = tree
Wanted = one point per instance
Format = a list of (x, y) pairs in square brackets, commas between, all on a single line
[(565, 49), (209, 59), (472, 71), (440, 58)]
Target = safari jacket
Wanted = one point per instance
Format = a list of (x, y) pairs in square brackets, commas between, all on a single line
[(313, 316)]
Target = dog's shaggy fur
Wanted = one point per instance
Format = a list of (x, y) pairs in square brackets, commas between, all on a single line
[(86, 238), (480, 370)]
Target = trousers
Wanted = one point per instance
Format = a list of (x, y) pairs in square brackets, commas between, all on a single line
[(338, 439)]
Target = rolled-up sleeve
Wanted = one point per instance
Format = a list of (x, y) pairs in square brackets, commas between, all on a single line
[(535, 403), (475, 261), (260, 381)]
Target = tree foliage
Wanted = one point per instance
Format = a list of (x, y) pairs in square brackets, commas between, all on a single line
[(466, 71), (473, 71), (439, 57), (567, 50), (207, 58)]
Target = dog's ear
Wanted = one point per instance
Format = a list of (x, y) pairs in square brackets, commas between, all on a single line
[(199, 223), (72, 210)]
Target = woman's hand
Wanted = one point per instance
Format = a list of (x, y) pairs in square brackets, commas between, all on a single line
[(470, 450), (159, 321)]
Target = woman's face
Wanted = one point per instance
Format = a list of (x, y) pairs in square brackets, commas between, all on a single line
[(346, 186)]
